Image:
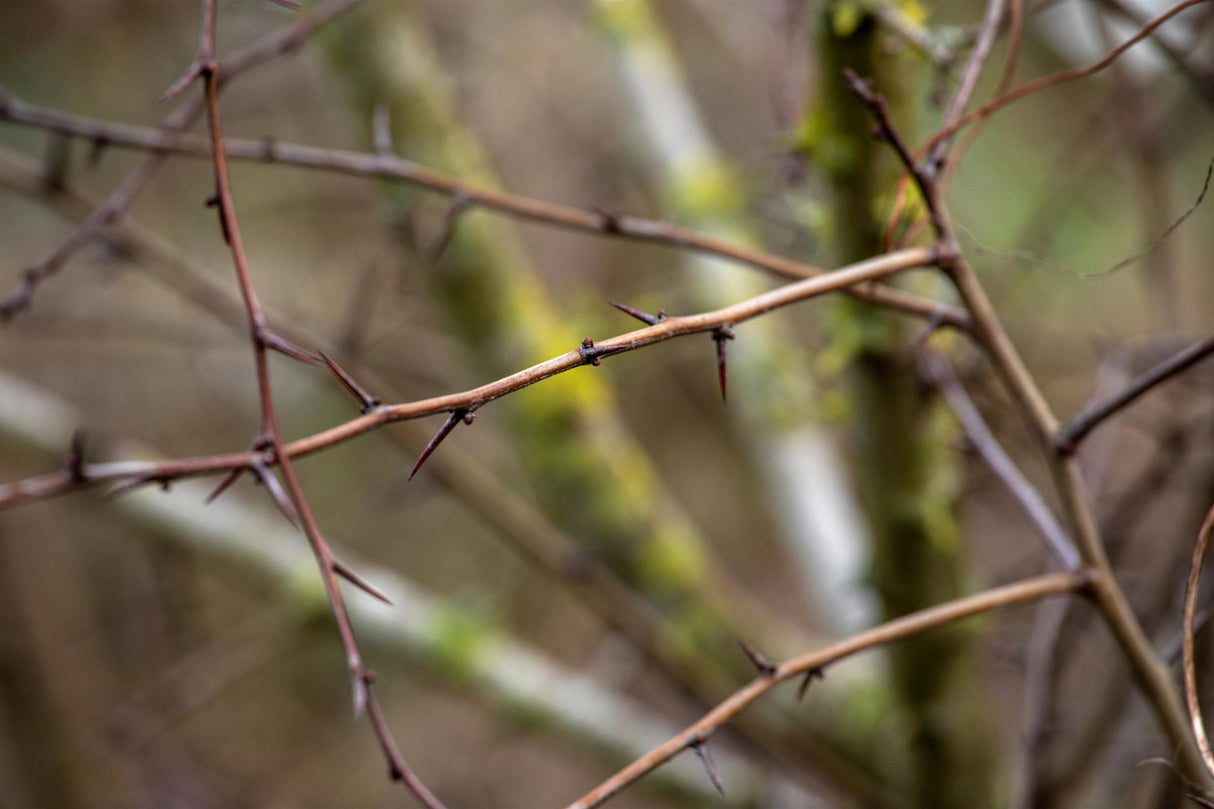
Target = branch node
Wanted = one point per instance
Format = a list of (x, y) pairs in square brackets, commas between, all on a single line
[(609, 221), (592, 354)]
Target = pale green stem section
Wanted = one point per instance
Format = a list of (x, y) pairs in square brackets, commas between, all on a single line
[(592, 476), (771, 391)]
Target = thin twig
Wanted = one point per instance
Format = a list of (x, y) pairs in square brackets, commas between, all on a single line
[(1075, 430), (1150, 673), (938, 615), (394, 168)]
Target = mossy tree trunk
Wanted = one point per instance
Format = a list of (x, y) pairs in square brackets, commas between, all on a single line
[(901, 438)]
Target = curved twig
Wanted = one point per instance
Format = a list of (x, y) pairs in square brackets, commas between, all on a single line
[(1190, 672)]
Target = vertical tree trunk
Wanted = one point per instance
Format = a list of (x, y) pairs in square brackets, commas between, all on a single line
[(900, 442)]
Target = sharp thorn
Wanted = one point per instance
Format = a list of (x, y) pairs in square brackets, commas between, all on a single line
[(227, 481), (344, 570), (720, 336), (129, 486), (366, 400), (810, 676), (270, 482), (448, 425), (644, 317), (74, 462), (701, 748), (765, 666), (289, 349)]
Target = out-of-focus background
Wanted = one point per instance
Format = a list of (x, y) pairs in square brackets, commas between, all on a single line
[(571, 573)]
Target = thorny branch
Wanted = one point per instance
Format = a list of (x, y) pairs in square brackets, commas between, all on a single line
[(667, 329), (1095, 578), (1149, 671), (263, 341)]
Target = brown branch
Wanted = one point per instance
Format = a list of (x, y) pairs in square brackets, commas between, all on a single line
[(938, 615), (1074, 431), (261, 50), (669, 328), (389, 167)]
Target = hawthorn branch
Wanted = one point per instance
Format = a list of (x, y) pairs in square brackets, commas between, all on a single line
[(938, 615), (1151, 674), (667, 329), (264, 341)]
